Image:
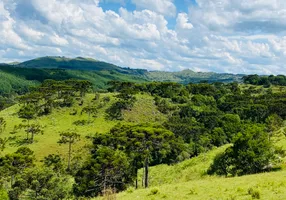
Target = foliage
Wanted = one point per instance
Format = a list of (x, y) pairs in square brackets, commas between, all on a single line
[(108, 168), (265, 80), (40, 183), (30, 129), (69, 137), (251, 153)]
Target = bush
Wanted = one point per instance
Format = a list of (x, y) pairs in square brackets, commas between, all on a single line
[(250, 153), (255, 194), (3, 195), (153, 191), (80, 122)]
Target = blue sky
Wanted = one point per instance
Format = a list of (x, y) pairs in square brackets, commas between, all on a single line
[(233, 36)]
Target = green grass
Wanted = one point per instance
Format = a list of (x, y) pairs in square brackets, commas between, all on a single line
[(188, 180), (269, 186), (185, 180), (61, 120)]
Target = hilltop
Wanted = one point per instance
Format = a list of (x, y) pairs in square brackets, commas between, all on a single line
[(18, 77)]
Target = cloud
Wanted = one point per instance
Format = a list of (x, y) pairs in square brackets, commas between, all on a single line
[(164, 7), (237, 36)]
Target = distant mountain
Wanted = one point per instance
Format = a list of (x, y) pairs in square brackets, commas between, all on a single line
[(18, 77), (187, 76), (78, 63)]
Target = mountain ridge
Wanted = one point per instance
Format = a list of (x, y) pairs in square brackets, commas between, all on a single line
[(91, 64), (23, 75)]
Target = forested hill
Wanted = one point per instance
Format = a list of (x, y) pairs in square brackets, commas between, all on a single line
[(61, 68), (78, 63)]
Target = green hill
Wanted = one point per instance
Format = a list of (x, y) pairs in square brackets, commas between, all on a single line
[(182, 179), (187, 76), (62, 119), (78, 63), (20, 76), (193, 184), (18, 79)]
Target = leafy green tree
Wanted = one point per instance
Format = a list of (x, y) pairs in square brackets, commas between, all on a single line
[(3, 141), (70, 138), (39, 184), (251, 153), (83, 86), (13, 164), (90, 110), (54, 162), (108, 168), (140, 142), (218, 137), (273, 123), (27, 112), (30, 129), (2, 125)]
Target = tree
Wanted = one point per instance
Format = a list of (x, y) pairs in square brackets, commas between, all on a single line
[(39, 184), (54, 162), (3, 141), (27, 112), (143, 143), (15, 163), (31, 129), (2, 125), (273, 123), (90, 110), (80, 85), (107, 169), (250, 153), (69, 138)]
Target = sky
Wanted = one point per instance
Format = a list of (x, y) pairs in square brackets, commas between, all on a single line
[(232, 36)]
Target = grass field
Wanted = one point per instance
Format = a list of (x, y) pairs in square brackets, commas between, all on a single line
[(62, 119), (186, 180)]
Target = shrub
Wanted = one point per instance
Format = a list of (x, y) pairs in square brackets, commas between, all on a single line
[(153, 191), (130, 190), (80, 122), (255, 194), (250, 154)]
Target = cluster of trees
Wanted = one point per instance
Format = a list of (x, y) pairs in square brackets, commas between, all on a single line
[(126, 99), (116, 157), (206, 115), (24, 180), (265, 80), (199, 117)]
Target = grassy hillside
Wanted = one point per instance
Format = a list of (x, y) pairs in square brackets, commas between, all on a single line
[(188, 180), (268, 186), (185, 180), (62, 120)]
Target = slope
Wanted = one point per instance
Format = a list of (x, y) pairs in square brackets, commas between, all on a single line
[(78, 63), (19, 79), (188, 180), (63, 119), (187, 76)]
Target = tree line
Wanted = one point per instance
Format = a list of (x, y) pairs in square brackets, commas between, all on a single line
[(199, 117)]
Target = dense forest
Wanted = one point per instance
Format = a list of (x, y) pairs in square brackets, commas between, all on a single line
[(265, 80), (197, 118)]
